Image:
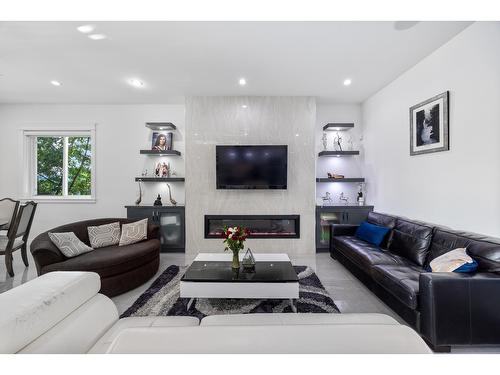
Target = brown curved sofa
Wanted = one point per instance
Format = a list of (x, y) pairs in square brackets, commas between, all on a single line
[(121, 268)]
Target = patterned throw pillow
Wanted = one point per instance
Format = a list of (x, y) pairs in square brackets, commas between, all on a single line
[(104, 235), (69, 244), (134, 232)]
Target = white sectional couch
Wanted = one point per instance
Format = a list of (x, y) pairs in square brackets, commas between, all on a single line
[(62, 312)]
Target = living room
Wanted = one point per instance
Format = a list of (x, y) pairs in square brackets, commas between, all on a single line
[(171, 186)]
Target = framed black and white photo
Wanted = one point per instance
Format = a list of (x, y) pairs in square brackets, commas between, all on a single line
[(429, 125)]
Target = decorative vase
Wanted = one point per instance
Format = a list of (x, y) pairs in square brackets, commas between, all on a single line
[(236, 260)]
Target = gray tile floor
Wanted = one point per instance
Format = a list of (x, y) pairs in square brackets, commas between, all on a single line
[(349, 294)]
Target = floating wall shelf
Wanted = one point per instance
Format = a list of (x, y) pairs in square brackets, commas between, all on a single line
[(340, 179), (338, 153), (160, 179), (338, 126), (166, 152), (161, 126)]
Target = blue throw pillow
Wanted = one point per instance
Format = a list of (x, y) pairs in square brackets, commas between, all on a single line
[(371, 233), (467, 267)]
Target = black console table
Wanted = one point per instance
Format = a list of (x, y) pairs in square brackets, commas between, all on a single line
[(170, 219)]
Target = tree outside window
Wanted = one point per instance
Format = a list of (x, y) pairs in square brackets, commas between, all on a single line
[(63, 166)]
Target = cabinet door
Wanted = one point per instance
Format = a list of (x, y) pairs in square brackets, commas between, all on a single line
[(139, 213), (356, 216), (171, 230), (323, 230)]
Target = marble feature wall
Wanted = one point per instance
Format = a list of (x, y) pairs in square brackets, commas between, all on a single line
[(212, 121)]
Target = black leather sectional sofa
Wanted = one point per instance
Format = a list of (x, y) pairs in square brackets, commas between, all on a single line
[(446, 308)]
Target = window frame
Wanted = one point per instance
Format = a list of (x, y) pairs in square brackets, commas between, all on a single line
[(29, 162)]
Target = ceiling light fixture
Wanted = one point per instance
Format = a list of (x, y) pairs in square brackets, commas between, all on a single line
[(136, 82), (244, 106), (242, 81), (56, 83), (97, 36), (347, 82), (85, 29)]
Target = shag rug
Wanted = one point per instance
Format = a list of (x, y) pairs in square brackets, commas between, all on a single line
[(162, 299)]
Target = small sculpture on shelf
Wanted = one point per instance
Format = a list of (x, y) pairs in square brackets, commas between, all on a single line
[(327, 198), (343, 198), (172, 200), (325, 141), (165, 170), (144, 173), (335, 176), (158, 169), (361, 196), (337, 142), (139, 199), (158, 201)]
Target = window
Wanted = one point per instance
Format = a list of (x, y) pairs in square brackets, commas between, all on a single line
[(60, 165)]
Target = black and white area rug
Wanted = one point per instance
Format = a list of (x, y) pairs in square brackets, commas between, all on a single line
[(162, 299)]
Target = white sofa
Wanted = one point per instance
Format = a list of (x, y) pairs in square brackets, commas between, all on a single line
[(62, 312)]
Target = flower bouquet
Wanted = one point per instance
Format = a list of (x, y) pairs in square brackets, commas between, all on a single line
[(234, 238)]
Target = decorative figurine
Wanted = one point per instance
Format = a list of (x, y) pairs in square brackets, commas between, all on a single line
[(337, 142), (158, 201), (157, 169), (327, 198), (361, 197), (165, 171), (172, 200), (335, 176), (343, 198), (138, 200), (144, 173), (325, 141)]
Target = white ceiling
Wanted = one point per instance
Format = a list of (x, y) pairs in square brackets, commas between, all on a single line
[(177, 59)]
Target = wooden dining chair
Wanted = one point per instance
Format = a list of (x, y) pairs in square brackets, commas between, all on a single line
[(17, 235), (8, 211)]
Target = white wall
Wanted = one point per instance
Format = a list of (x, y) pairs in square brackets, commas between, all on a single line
[(120, 134), (458, 188), (349, 166), (214, 121)]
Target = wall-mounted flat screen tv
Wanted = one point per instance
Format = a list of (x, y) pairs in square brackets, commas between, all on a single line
[(251, 167)]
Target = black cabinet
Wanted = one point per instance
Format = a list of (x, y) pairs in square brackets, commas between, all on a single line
[(336, 215), (171, 221)]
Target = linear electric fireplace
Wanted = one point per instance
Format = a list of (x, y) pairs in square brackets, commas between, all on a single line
[(260, 226)]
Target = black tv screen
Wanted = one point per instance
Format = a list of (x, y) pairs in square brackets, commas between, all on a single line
[(251, 167)]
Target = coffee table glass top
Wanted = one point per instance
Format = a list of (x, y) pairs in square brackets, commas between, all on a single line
[(221, 271)]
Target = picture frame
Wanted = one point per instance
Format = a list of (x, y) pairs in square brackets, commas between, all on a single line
[(161, 141), (429, 125)]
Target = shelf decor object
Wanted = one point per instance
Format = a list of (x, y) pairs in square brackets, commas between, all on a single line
[(337, 153), (338, 126), (161, 126), (326, 179), (161, 153), (159, 179)]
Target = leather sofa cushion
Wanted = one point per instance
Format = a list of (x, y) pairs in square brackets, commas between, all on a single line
[(400, 281), (411, 240), (383, 220), (111, 260), (365, 255), (485, 250)]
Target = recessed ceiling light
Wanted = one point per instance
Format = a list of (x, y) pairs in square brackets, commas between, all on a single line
[(56, 83), (97, 36), (86, 28), (242, 81), (136, 82), (244, 106), (347, 82), (297, 134)]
